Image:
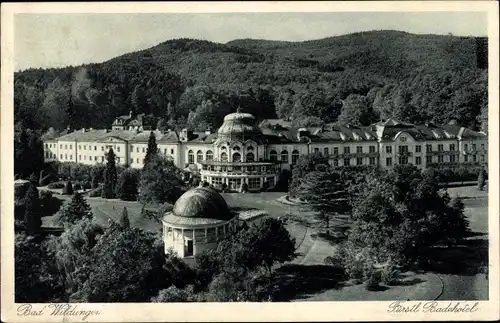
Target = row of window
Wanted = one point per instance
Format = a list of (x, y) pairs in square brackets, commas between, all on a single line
[(347, 150), (359, 161), (102, 148)]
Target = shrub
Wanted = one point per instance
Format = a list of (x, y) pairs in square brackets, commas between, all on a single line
[(56, 185), (47, 179), (77, 186), (223, 187), (390, 274), (371, 276), (244, 187), (96, 192), (86, 185), (68, 189)]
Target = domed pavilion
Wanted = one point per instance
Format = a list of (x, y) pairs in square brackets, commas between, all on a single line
[(199, 220)]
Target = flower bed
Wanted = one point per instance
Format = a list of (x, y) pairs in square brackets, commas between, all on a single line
[(251, 215)]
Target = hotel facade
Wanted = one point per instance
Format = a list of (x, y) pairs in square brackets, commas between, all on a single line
[(242, 151)]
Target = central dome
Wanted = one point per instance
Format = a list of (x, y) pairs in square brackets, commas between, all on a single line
[(202, 202), (239, 125)]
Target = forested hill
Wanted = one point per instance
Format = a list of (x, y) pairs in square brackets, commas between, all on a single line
[(357, 78)]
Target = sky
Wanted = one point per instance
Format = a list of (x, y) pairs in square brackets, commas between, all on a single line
[(57, 40)]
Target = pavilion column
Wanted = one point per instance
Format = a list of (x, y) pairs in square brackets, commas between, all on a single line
[(217, 234), (206, 239), (173, 234), (224, 229), (194, 236)]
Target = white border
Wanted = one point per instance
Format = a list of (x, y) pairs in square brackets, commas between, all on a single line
[(236, 312)]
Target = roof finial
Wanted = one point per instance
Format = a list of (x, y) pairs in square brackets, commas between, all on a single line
[(238, 110)]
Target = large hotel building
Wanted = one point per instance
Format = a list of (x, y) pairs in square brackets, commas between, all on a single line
[(243, 151)]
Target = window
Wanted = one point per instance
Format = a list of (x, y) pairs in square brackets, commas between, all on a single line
[(102, 158), (482, 158), (336, 162), (95, 147), (372, 149), (65, 146), (452, 158), (60, 146), (190, 156), (295, 156), (273, 155), (250, 148), (403, 149), (347, 150), (325, 151), (79, 157), (223, 156), (347, 161), (418, 149), (428, 148), (474, 147), (171, 151), (403, 160), (79, 146), (466, 147), (70, 157), (388, 161), (316, 150), (452, 147), (118, 149), (61, 156), (253, 183), (165, 151), (236, 157), (403, 139), (359, 161), (284, 156), (102, 148), (138, 161), (143, 149), (209, 155), (388, 149), (418, 160), (118, 160), (440, 159), (137, 149), (359, 150), (474, 158), (440, 147), (250, 157), (131, 160), (466, 158), (84, 147), (199, 156), (428, 160), (372, 160), (482, 146), (335, 151)]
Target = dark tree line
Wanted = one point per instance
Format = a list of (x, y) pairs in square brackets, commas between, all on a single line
[(357, 78)]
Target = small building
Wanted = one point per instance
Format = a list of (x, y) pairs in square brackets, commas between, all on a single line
[(199, 220)]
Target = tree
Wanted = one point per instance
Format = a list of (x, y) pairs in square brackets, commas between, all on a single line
[(48, 203), (152, 149), (127, 267), (33, 211), (36, 278), (68, 188), (110, 176), (127, 185), (73, 253), (124, 220), (305, 164), (481, 179), (401, 214), (21, 153), (74, 211), (325, 191), (160, 181)]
